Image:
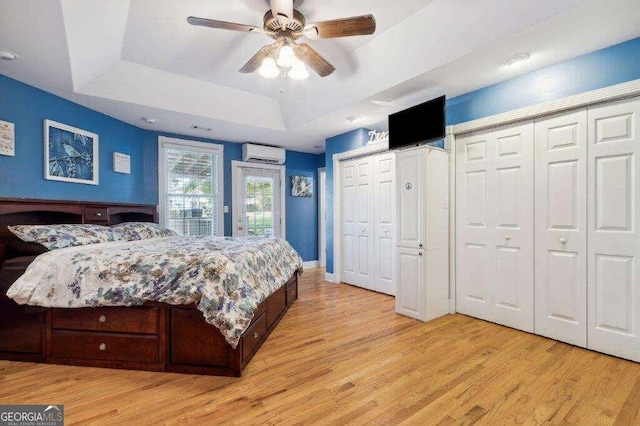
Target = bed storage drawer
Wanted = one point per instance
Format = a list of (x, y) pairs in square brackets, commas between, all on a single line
[(292, 292), (96, 215), (275, 305), (253, 335), (113, 319), (104, 346)]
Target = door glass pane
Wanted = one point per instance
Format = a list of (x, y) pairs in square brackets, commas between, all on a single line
[(259, 205), (192, 196)]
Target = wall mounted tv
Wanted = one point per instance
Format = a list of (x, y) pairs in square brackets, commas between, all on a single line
[(419, 124)]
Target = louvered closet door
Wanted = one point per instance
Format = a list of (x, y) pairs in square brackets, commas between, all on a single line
[(384, 200), (494, 261), (614, 229), (561, 228), (474, 225), (512, 244)]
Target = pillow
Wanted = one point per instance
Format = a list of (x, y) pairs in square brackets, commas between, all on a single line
[(132, 231), (61, 236), (15, 247)]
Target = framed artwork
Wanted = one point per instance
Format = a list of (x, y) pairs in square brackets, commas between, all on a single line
[(301, 186), (70, 154)]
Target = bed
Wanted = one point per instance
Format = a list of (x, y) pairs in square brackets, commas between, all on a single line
[(153, 336)]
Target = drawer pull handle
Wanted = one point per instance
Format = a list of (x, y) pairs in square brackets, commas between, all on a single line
[(256, 335), (563, 241), (102, 318), (99, 214), (102, 347)]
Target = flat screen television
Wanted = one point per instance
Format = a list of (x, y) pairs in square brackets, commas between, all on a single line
[(419, 124)]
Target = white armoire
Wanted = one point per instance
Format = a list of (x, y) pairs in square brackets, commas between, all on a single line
[(548, 226), (422, 277)]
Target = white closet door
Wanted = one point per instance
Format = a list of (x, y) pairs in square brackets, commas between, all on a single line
[(614, 229), (474, 225), (410, 175), (350, 228), (384, 216), (364, 212), (512, 238), (561, 233)]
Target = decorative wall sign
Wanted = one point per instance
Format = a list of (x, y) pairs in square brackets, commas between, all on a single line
[(7, 139), (70, 154), (121, 163), (301, 186), (376, 137)]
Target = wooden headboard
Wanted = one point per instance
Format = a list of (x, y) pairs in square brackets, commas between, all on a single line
[(46, 212)]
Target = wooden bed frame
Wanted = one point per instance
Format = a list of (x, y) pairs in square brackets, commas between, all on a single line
[(153, 337)]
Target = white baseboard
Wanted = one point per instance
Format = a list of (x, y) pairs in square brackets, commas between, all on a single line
[(310, 264), (329, 277)]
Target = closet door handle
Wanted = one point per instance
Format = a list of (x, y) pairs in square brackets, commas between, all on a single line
[(420, 254)]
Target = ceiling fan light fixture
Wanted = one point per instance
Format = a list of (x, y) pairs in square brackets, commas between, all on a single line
[(286, 57), (298, 71), (268, 69)]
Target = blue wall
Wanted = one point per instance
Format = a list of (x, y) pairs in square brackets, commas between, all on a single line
[(335, 145), (613, 65), (22, 176)]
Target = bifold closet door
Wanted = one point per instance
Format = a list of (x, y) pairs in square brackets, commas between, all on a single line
[(494, 222), (561, 227), (357, 222), (384, 199), (614, 229)]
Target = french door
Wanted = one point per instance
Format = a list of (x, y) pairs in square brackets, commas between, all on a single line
[(258, 201)]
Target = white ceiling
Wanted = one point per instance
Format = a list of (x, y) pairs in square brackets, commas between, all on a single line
[(135, 58)]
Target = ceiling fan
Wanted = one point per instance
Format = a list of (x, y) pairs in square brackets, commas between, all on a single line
[(285, 25)]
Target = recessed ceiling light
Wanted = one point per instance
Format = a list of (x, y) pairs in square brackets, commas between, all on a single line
[(149, 120), (517, 58), (354, 118), (204, 129), (7, 56), (382, 103)]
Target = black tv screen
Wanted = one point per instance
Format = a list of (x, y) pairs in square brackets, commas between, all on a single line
[(419, 124)]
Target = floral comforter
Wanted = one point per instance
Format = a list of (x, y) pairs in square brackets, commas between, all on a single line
[(225, 277)]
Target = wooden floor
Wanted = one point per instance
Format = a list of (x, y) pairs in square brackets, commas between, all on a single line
[(356, 361)]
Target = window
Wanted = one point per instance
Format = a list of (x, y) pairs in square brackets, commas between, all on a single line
[(191, 186)]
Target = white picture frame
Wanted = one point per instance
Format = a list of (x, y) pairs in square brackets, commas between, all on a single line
[(70, 154)]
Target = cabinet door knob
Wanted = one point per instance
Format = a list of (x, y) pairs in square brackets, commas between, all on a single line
[(420, 254), (563, 240), (256, 335), (102, 347), (102, 318), (420, 245), (98, 214)]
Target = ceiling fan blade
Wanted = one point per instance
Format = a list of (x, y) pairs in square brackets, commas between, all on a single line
[(347, 27), (211, 23), (282, 9), (313, 60), (255, 62)]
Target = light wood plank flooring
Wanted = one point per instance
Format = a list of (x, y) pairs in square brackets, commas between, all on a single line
[(342, 355)]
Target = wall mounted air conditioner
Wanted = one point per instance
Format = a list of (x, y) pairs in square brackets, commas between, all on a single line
[(263, 154)]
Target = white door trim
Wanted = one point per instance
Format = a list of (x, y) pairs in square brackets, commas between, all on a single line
[(235, 165), (337, 198), (322, 213)]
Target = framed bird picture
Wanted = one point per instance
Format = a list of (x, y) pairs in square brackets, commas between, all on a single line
[(70, 154), (301, 186)]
